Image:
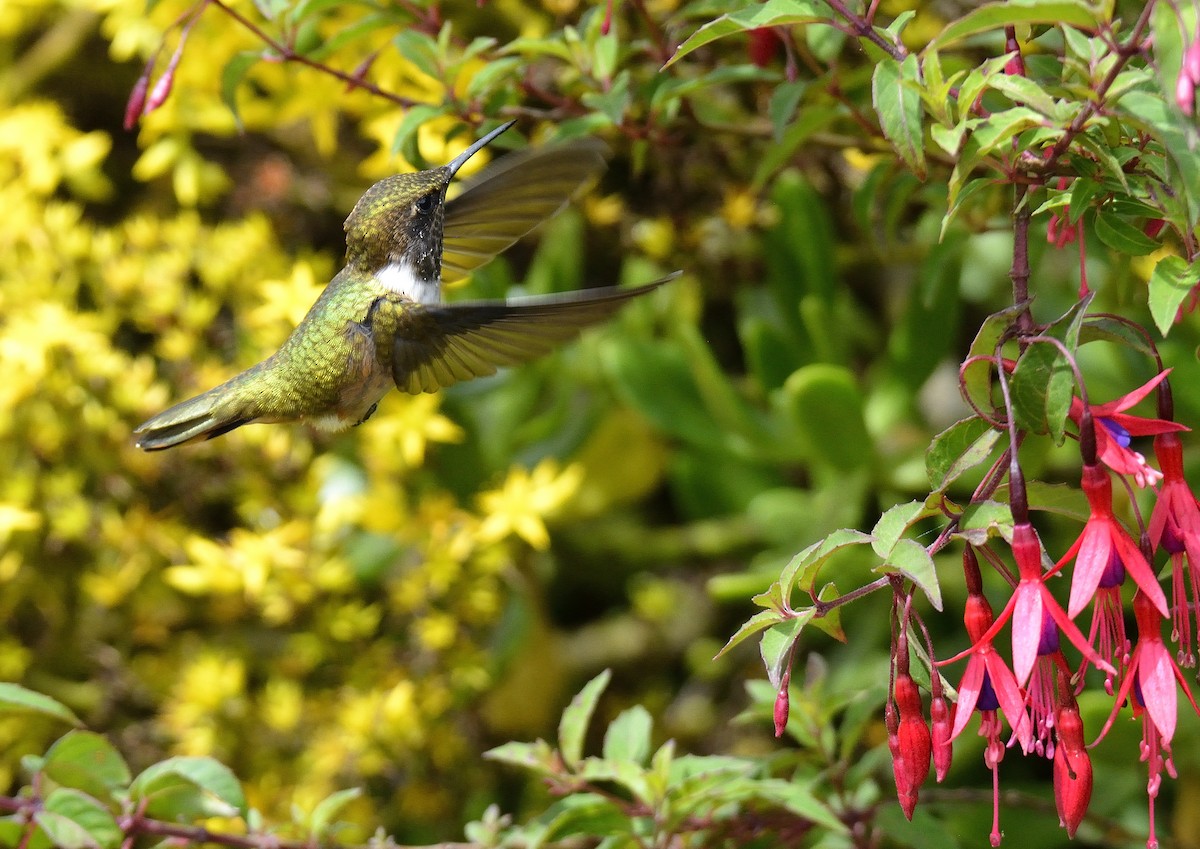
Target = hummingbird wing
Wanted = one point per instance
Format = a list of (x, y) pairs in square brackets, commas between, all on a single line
[(509, 198), (439, 345)]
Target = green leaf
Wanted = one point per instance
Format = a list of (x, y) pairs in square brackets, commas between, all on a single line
[(1024, 91), (990, 17), (572, 728), (911, 559), (627, 737), (1122, 235), (537, 756), (770, 14), (17, 699), (189, 788), (895, 91), (797, 797), (491, 75), (827, 410), (325, 814), (1029, 383), (758, 622), (614, 102), (404, 142), (74, 820), (782, 107), (1101, 328), (231, 77), (777, 642), (893, 523), (421, 49), (86, 761), (983, 520), (805, 565), (978, 374), (831, 622), (960, 447), (1171, 283)]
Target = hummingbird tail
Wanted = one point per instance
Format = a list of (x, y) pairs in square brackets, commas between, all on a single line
[(202, 417)]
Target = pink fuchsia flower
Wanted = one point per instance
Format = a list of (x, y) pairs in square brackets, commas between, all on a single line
[(1151, 676), (1118, 428), (1102, 538), (1175, 526), (988, 685), (1072, 769), (1030, 604), (1107, 633)]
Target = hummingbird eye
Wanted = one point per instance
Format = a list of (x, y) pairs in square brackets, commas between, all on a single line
[(425, 203)]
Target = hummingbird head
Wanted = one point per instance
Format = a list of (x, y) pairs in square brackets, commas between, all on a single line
[(397, 223)]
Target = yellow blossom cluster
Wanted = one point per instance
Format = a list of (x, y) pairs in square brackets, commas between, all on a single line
[(313, 610)]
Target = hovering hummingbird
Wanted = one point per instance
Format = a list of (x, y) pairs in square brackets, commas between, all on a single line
[(380, 322)]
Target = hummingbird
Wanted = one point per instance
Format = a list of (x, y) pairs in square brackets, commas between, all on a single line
[(381, 322)]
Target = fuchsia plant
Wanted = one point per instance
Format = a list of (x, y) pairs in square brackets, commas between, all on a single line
[(1024, 381)]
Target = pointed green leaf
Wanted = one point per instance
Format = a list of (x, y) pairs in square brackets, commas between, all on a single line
[(1172, 281), (990, 17), (627, 737), (231, 78), (805, 565), (1122, 235), (893, 523), (959, 448), (325, 814), (777, 643), (537, 756), (770, 14), (758, 622), (895, 91), (911, 559), (74, 820), (572, 728), (86, 761), (189, 788), (17, 699)]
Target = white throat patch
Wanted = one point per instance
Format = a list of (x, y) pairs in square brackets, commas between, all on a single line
[(399, 277)]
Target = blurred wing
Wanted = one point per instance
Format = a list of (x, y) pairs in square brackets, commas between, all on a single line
[(509, 198), (439, 345)]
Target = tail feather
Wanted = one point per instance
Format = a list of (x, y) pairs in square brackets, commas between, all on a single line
[(202, 417)]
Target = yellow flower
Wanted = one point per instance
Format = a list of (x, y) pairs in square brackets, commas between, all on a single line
[(525, 500)]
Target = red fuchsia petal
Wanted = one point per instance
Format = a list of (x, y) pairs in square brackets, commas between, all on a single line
[(1012, 700), (1072, 770), (1156, 679), (1153, 227), (1135, 563), (915, 741), (1129, 399), (968, 692), (1142, 426), (1094, 550), (1026, 629)]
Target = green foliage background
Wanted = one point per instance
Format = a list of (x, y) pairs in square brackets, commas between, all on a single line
[(378, 607)]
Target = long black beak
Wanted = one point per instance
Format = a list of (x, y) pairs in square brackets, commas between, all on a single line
[(457, 162)]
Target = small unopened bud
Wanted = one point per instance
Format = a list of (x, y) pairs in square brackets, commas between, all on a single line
[(764, 46), (941, 714), (782, 707), (909, 742), (1072, 770), (606, 24), (1185, 94), (1153, 227), (137, 100)]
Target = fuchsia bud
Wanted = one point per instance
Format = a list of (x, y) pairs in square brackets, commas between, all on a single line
[(942, 721), (764, 46), (909, 741), (1072, 770), (137, 99), (1153, 227), (782, 707), (606, 24)]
